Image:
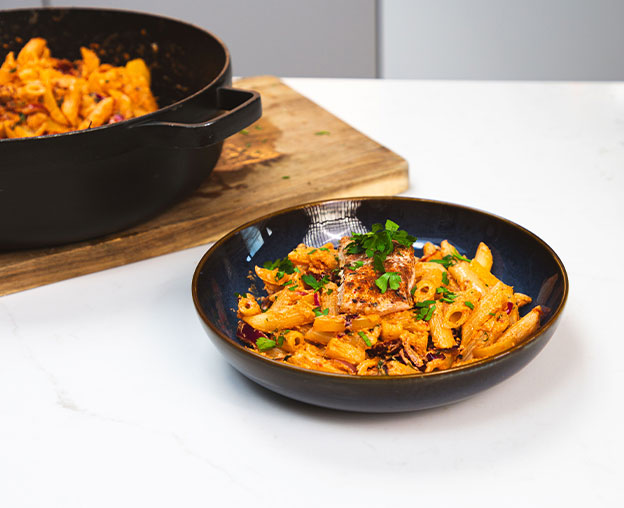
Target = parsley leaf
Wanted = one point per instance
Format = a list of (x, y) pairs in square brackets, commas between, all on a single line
[(365, 339), (391, 225), (447, 295), (470, 305), (445, 279), (265, 344), (388, 279), (425, 309), (283, 265), (450, 259), (379, 240), (459, 257), (318, 312), (317, 285), (446, 261), (355, 265)]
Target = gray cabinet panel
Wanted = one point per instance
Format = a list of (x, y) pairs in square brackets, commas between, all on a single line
[(502, 39)]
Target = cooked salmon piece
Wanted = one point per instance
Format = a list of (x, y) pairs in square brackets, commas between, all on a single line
[(358, 293)]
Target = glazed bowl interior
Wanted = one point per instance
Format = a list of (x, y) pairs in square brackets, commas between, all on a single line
[(521, 260)]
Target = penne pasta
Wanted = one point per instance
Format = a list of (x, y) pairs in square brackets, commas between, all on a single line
[(467, 277), (72, 95), (515, 334), (441, 334), (483, 256), (458, 311)]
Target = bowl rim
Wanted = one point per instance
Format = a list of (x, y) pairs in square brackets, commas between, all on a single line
[(476, 365)]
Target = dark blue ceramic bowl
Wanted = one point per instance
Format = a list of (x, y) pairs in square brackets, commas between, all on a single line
[(521, 259)]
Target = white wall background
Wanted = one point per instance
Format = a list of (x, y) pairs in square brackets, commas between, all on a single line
[(426, 39)]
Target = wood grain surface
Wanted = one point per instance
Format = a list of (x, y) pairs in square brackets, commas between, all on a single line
[(296, 152)]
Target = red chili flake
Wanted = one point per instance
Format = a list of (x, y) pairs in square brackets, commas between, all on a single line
[(33, 107), (317, 300)]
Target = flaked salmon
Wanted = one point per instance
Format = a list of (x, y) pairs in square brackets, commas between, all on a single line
[(358, 293)]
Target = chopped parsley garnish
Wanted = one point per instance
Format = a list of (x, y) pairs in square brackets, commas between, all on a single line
[(292, 284), (447, 295), (445, 279), (312, 251), (378, 244), (365, 339), (324, 248), (446, 261), (244, 132), (459, 257), (450, 259), (264, 344), (317, 285), (470, 305), (283, 265), (318, 312), (285, 177), (379, 241), (425, 309), (388, 279), (355, 265), (321, 133), (280, 340)]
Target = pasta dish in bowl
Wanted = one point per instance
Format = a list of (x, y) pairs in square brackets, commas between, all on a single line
[(332, 309), (379, 304)]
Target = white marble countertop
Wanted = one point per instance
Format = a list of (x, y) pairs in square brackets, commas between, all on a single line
[(112, 395)]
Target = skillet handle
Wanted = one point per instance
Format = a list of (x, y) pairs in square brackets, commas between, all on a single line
[(240, 109)]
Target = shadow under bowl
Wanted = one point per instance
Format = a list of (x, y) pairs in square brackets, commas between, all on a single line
[(521, 260)]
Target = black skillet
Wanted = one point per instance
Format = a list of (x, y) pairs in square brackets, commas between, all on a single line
[(74, 186)]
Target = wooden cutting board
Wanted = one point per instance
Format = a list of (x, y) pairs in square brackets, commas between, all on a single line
[(296, 152)]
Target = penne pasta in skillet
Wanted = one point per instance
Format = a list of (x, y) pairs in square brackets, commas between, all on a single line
[(40, 94)]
